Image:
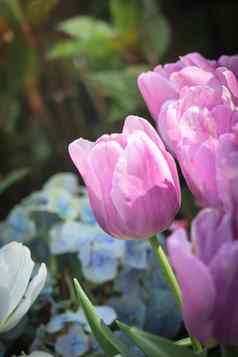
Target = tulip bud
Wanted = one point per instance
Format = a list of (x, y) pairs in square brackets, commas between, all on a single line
[(131, 179)]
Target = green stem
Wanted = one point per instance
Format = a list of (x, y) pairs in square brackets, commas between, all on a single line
[(167, 270), (172, 281)]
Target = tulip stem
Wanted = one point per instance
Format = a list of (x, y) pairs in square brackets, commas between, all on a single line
[(172, 281), (167, 270)]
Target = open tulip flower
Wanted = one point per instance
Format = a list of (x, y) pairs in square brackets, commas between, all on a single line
[(131, 179), (194, 102), (17, 290), (165, 83), (207, 269)]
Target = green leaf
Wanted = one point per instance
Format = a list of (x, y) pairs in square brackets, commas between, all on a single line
[(120, 87), (109, 343), (153, 22), (15, 8), (91, 38), (65, 49), (86, 28), (12, 178), (37, 11), (184, 342), (126, 15), (155, 346)]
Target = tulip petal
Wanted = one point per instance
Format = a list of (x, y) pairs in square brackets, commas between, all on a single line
[(79, 151), (227, 173), (16, 267), (134, 123), (191, 76), (224, 269), (230, 62), (197, 162), (230, 80), (224, 119), (168, 124), (196, 59), (31, 293), (197, 287), (210, 230), (140, 185), (155, 90), (102, 161)]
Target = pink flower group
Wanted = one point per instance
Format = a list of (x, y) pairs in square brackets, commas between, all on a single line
[(133, 185)]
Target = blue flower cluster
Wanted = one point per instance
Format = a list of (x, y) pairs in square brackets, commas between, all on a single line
[(123, 277)]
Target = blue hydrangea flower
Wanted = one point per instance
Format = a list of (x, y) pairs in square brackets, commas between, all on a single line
[(58, 322), (136, 254), (70, 236), (162, 316), (65, 180), (100, 254), (128, 280), (107, 243), (37, 200), (86, 212), (56, 200), (64, 204), (18, 227), (130, 309), (74, 343), (100, 267)]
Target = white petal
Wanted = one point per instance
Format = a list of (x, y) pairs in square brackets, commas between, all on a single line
[(4, 302), (16, 267), (31, 294), (39, 354)]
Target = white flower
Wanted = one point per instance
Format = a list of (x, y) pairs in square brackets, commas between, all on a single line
[(17, 290)]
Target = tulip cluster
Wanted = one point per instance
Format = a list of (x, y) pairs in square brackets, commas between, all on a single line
[(134, 189)]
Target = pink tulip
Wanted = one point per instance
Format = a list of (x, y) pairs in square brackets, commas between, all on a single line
[(227, 171), (206, 269), (191, 84), (131, 180), (192, 124), (164, 83)]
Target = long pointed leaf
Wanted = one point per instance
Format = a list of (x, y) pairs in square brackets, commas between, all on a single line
[(155, 346), (109, 343)]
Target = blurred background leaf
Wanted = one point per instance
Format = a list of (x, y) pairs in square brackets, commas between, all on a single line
[(11, 179), (37, 11)]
